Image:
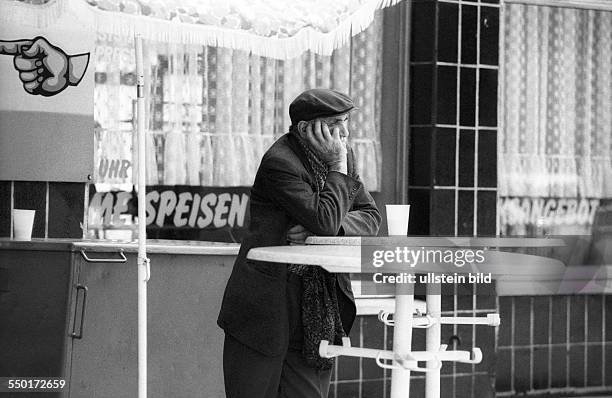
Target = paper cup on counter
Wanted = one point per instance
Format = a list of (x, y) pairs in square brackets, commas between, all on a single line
[(397, 219), (23, 221)]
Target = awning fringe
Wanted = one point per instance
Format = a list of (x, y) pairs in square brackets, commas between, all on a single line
[(125, 25), (34, 16)]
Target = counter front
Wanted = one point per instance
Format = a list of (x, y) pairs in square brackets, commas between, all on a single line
[(68, 309)]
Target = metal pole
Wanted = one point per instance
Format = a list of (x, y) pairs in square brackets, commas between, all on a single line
[(402, 340), (402, 318), (143, 261), (433, 336)]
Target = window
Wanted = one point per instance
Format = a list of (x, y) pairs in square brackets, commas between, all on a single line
[(555, 159), (214, 111)]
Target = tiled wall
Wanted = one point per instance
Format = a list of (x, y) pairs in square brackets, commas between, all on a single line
[(453, 117), (556, 344), (59, 207)]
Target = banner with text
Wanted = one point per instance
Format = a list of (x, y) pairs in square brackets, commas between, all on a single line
[(538, 216), (176, 212)]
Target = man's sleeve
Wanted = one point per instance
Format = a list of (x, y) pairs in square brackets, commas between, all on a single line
[(364, 217), (322, 213)]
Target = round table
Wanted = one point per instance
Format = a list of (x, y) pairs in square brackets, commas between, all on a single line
[(349, 255)]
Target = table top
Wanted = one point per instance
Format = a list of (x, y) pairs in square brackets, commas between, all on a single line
[(348, 259), (438, 241)]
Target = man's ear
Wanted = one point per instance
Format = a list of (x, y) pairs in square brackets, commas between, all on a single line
[(302, 124)]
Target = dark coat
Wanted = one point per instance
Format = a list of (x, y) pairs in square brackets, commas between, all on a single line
[(284, 194)]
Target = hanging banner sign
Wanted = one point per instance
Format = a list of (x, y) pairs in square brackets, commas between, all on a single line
[(196, 209), (186, 212), (547, 211)]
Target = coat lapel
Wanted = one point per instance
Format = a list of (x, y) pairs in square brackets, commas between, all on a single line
[(297, 149)]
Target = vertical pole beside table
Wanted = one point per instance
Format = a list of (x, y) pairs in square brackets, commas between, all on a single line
[(402, 342), (397, 225), (433, 337)]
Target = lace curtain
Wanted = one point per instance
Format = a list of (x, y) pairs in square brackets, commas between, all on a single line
[(556, 139), (214, 111)]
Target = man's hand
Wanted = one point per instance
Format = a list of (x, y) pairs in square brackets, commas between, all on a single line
[(327, 145), (298, 234), (44, 68)]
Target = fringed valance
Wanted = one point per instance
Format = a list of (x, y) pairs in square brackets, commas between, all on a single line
[(270, 28), (32, 13)]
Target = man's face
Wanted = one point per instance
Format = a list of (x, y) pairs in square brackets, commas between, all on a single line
[(340, 122)]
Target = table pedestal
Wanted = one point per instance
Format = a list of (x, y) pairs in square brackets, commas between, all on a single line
[(433, 337), (402, 342)]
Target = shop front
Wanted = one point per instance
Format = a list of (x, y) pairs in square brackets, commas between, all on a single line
[(489, 118)]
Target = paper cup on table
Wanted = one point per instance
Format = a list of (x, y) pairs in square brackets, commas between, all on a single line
[(397, 219), (23, 220)]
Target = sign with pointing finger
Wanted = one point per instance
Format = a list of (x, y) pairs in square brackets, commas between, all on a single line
[(46, 102), (44, 69)]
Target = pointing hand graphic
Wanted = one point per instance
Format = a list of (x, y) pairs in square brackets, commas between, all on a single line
[(44, 68)]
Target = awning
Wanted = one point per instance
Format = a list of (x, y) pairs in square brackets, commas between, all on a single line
[(272, 28)]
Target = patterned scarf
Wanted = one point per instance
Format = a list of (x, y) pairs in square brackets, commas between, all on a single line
[(320, 310)]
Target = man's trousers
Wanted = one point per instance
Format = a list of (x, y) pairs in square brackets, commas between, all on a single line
[(250, 374)]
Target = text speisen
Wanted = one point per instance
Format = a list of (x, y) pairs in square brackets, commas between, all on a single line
[(177, 209)]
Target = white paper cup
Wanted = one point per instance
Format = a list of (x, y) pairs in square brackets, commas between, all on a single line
[(397, 219), (23, 220)]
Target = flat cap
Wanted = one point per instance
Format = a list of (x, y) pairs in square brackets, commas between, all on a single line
[(319, 102)]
